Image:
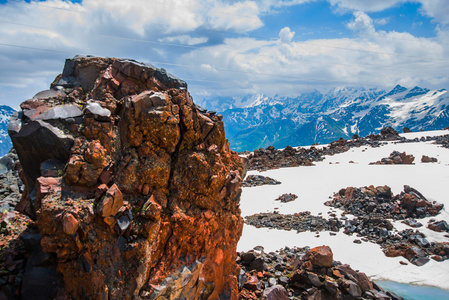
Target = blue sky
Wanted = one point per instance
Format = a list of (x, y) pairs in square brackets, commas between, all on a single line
[(231, 48)]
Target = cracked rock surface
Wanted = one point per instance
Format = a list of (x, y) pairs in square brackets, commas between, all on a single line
[(134, 191)]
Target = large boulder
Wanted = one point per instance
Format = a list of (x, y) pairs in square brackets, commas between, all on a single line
[(133, 188)]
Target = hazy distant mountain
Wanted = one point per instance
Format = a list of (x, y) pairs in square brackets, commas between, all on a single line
[(5, 141), (257, 121)]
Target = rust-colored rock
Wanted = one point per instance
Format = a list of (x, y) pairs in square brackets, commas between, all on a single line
[(146, 204), (70, 224), (321, 256)]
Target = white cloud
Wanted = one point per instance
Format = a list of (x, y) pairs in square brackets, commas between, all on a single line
[(382, 21), (382, 59), (365, 5), (361, 23), (218, 63), (437, 9), (184, 39), (286, 34), (241, 16)]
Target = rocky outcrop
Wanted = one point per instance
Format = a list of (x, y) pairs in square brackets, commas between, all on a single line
[(271, 158), (302, 221), (303, 273), (259, 180), (284, 198), (134, 189), (396, 158), (373, 206), (379, 202)]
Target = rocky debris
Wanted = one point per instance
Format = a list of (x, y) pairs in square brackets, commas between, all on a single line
[(12, 225), (258, 180), (134, 189), (412, 223), (302, 221), (438, 226), (440, 140), (303, 273), (415, 248), (427, 159), (379, 202), (388, 133), (372, 206), (284, 198), (396, 158), (271, 158)]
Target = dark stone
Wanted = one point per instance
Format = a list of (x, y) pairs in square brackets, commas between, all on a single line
[(168, 79), (422, 242), (283, 280), (37, 142), (420, 261), (354, 290), (40, 272), (439, 226), (247, 258), (257, 264), (52, 168), (277, 292)]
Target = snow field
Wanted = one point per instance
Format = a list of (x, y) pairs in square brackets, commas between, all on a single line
[(316, 184)]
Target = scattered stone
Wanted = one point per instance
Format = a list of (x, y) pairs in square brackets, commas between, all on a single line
[(258, 180), (427, 159), (396, 158), (438, 226), (300, 222), (284, 198), (306, 274), (379, 202), (412, 223), (271, 158)]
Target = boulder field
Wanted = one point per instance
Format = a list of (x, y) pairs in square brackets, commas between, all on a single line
[(133, 188)]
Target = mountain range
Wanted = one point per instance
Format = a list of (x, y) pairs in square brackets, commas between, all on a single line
[(5, 140), (256, 121)]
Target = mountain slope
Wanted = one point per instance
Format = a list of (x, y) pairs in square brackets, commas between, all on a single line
[(258, 121), (5, 141)]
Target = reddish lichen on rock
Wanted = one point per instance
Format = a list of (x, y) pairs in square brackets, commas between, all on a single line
[(146, 198)]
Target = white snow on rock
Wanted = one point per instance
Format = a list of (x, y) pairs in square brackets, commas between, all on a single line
[(316, 184)]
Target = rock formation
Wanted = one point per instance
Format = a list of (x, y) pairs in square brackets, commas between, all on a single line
[(133, 187), (303, 273), (396, 158)]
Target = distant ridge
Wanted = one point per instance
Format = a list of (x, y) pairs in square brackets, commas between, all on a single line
[(256, 121)]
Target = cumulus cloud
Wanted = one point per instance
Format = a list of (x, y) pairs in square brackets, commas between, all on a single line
[(382, 60), (190, 39), (361, 23), (286, 34), (437, 9), (184, 39), (241, 16)]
